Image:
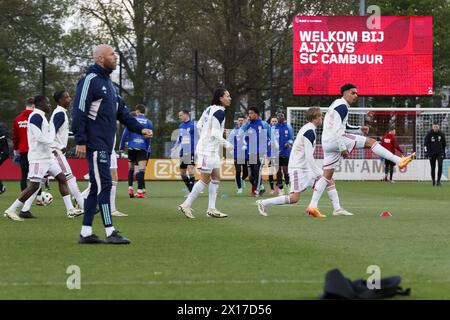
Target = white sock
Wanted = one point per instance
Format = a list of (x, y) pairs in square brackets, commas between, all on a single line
[(212, 192), (334, 197), (27, 205), (113, 196), (198, 187), (68, 202), (86, 231), (16, 205), (109, 230), (379, 150), (276, 201), (85, 193), (318, 190), (75, 192)]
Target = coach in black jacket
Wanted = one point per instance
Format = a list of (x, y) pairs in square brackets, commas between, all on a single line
[(435, 151)]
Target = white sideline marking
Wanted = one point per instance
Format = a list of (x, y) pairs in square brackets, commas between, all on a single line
[(185, 282), (159, 282)]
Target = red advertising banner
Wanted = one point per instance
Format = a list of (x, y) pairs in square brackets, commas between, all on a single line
[(394, 57)]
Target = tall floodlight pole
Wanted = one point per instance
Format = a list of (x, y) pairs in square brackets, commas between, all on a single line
[(44, 62), (196, 83), (272, 109), (362, 12), (120, 73)]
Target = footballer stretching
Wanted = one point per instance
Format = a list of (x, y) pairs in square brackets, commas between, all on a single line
[(337, 142), (303, 170)]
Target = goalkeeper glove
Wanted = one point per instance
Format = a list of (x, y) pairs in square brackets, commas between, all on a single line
[(16, 158)]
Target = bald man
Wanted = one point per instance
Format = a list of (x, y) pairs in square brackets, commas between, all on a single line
[(96, 109)]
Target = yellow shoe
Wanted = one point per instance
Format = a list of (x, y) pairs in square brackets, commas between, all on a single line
[(315, 212), (406, 160)]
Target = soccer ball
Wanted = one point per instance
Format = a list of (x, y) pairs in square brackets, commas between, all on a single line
[(47, 198)]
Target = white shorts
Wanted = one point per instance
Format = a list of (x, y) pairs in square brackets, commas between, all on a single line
[(301, 180), (38, 170), (63, 164), (331, 153), (114, 160), (206, 163)]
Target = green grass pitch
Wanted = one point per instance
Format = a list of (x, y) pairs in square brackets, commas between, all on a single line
[(245, 256)]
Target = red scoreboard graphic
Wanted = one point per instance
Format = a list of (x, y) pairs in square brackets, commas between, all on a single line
[(393, 57)]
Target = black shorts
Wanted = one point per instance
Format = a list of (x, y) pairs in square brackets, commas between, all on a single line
[(284, 161), (242, 162), (184, 165), (389, 163), (136, 155)]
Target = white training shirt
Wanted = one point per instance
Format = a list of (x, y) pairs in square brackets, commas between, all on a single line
[(60, 121), (211, 126), (335, 124), (302, 153), (203, 118), (40, 135)]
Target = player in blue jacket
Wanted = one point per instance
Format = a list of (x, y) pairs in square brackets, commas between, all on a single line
[(96, 109), (187, 138), (258, 140), (240, 154), (273, 163), (285, 135), (139, 149)]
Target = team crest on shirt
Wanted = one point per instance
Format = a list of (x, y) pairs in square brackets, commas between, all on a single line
[(104, 90), (286, 132)]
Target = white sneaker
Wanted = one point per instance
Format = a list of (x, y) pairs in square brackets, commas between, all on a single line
[(187, 211), (342, 212), (119, 214), (12, 215), (215, 213), (72, 213), (239, 190), (261, 208)]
